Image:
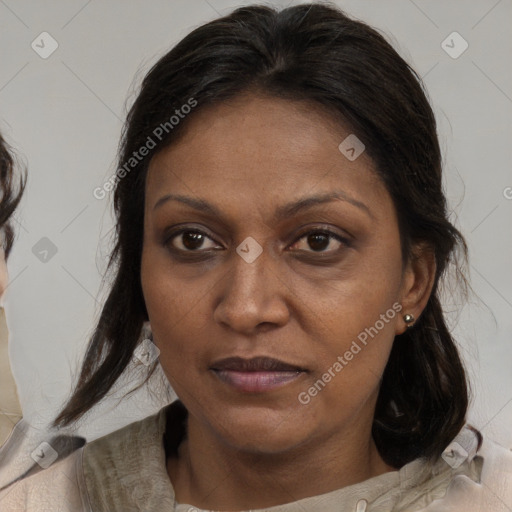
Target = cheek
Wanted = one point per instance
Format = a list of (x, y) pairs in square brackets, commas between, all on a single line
[(352, 360), (354, 320), (344, 303), (176, 311)]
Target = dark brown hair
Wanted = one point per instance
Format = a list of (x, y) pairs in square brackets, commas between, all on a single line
[(314, 53), (11, 190)]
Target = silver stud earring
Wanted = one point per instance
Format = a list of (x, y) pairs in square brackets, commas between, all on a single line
[(409, 320)]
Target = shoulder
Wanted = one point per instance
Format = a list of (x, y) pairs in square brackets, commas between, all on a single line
[(57, 488), (142, 432), (128, 467), (101, 475), (489, 488)]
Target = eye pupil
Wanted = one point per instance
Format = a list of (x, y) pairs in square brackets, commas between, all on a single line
[(191, 239), (318, 241)]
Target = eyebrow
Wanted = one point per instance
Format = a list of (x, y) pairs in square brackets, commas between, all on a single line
[(282, 212)]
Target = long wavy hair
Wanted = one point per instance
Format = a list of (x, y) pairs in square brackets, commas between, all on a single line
[(12, 185), (315, 53)]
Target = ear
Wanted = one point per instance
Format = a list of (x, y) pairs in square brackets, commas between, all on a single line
[(417, 282)]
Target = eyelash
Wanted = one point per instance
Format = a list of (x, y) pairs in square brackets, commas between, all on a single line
[(323, 231), (318, 231)]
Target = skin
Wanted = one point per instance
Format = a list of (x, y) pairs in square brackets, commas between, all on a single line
[(303, 306)]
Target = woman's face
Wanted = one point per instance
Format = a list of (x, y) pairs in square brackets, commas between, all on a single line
[(263, 240)]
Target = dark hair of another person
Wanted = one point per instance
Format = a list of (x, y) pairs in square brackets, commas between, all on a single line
[(11, 191), (312, 53)]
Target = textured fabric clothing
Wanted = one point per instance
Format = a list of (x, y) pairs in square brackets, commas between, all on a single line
[(18, 439), (18, 455), (10, 409), (126, 471)]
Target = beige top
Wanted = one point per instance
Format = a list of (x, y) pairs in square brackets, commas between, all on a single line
[(126, 471), (10, 409)]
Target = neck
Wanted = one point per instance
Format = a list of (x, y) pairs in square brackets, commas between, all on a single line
[(212, 475)]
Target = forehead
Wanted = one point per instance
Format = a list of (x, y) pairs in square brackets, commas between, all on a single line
[(262, 148)]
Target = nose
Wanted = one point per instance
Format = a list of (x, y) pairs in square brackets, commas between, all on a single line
[(252, 296)]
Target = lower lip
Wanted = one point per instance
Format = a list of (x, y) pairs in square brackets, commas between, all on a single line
[(256, 382)]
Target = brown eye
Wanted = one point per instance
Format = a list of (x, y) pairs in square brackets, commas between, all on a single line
[(319, 241), (190, 240)]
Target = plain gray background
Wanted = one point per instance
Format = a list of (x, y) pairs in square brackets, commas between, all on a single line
[(64, 115)]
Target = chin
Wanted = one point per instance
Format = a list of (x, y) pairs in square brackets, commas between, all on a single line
[(262, 431)]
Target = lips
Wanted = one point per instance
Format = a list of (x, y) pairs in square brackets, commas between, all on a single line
[(255, 364), (255, 375)]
